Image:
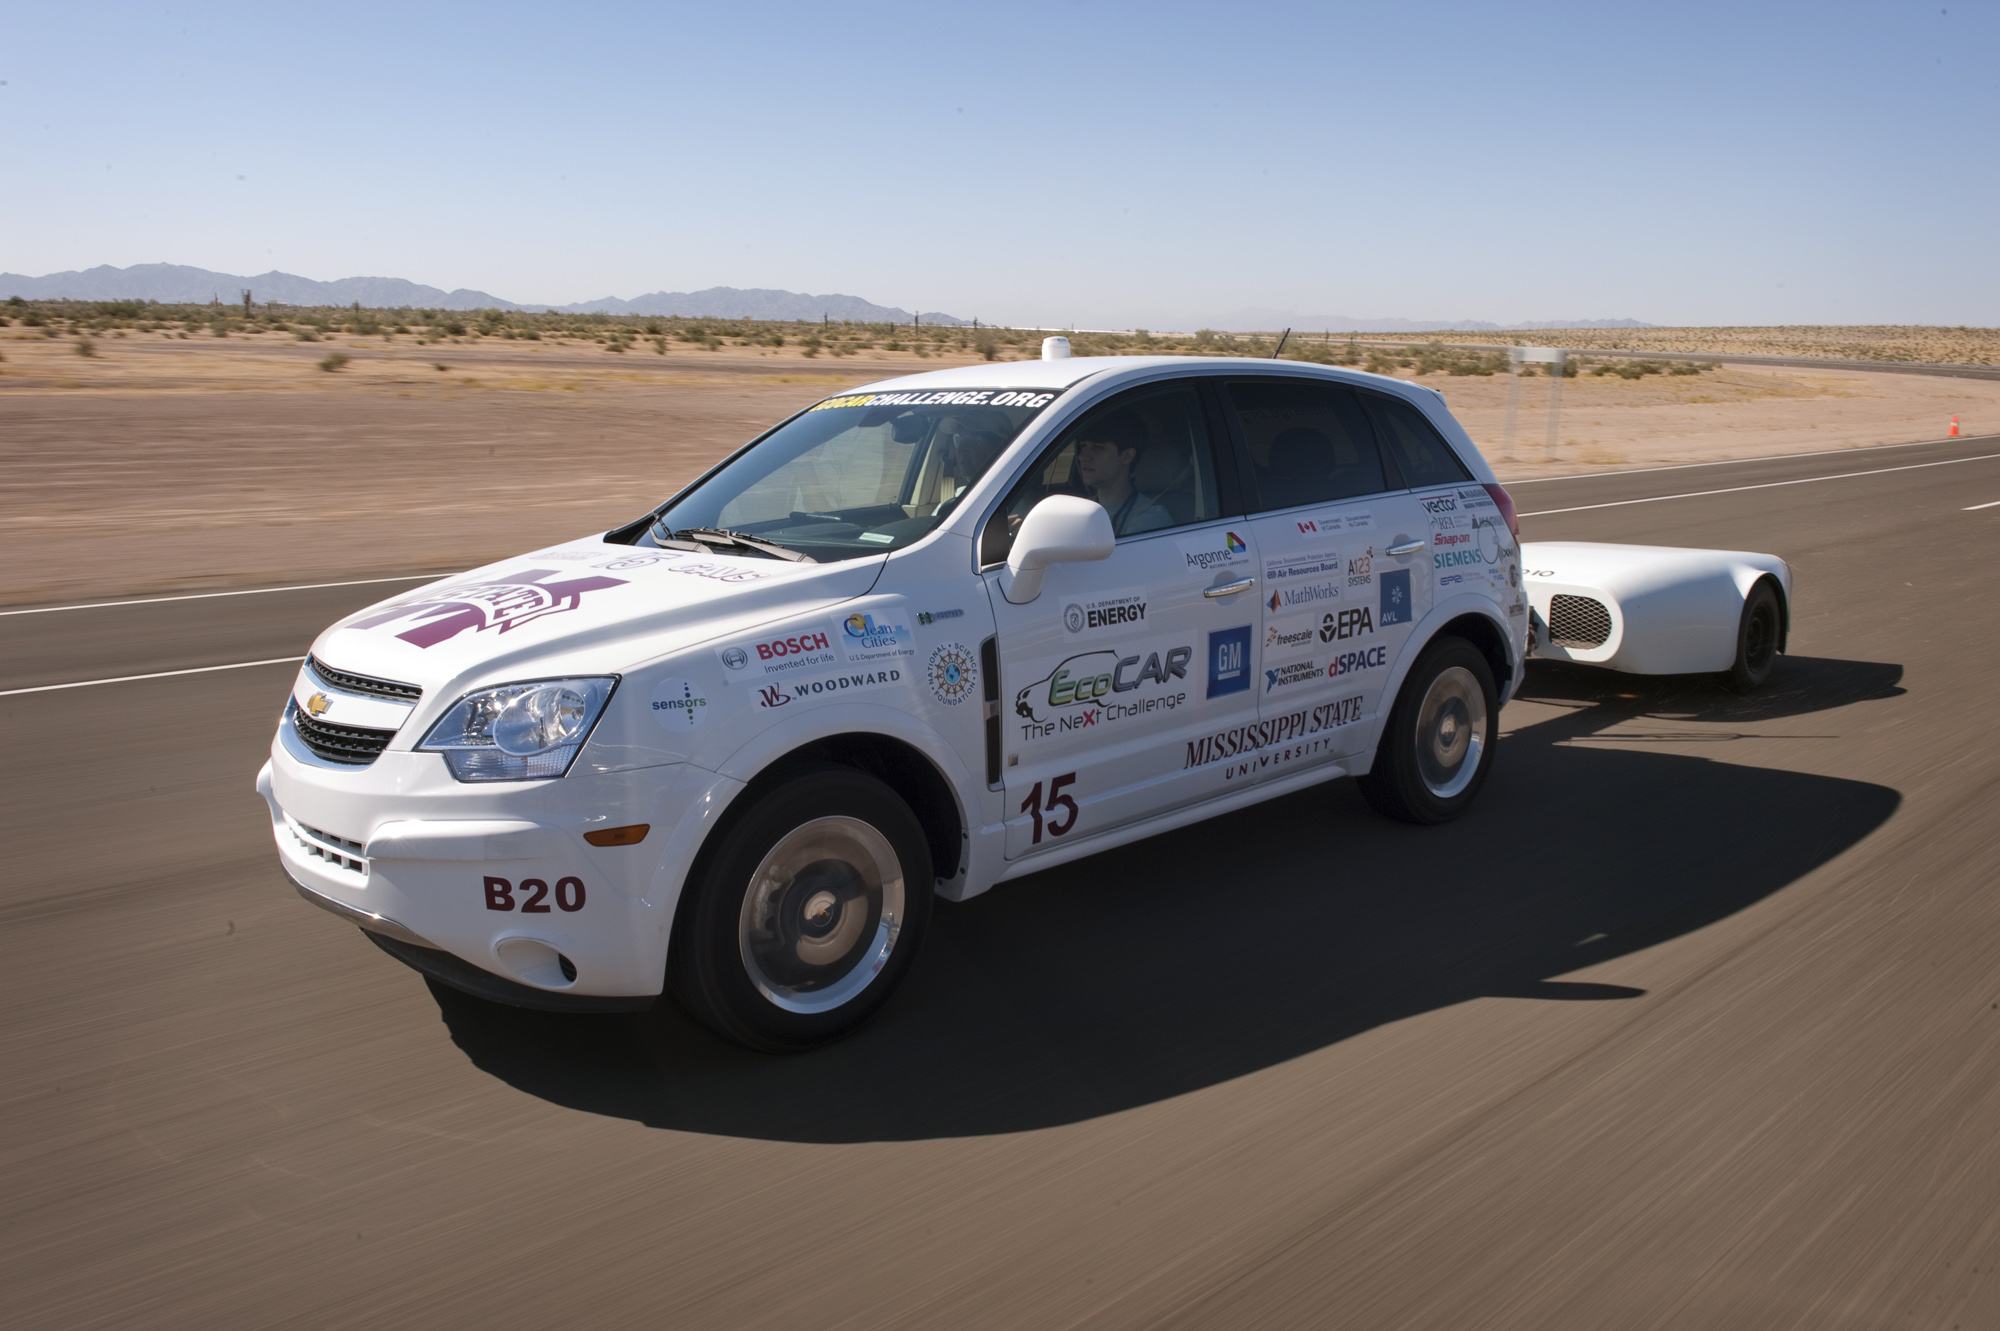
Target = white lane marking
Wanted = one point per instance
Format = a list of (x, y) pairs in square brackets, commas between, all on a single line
[(203, 596), (1976, 507), (159, 674), (1732, 462), (1767, 485)]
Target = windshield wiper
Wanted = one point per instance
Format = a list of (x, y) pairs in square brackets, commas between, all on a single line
[(711, 536)]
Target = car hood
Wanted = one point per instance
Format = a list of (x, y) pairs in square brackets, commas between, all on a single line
[(581, 608)]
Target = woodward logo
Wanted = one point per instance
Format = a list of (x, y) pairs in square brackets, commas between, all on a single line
[(1239, 740), (859, 680), (772, 696), (503, 604)]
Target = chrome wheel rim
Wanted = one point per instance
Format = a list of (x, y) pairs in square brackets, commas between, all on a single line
[(1451, 732), (821, 914)]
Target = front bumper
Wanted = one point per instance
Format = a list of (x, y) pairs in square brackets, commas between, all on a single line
[(464, 881)]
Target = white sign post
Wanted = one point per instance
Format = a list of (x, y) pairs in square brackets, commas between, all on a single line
[(1553, 357)]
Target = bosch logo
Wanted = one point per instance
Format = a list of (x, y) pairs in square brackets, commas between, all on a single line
[(781, 647), (735, 658)]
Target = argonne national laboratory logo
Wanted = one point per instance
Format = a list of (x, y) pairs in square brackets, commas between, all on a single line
[(951, 673)]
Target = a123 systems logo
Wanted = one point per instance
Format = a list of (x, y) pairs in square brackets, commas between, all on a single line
[(1228, 661), (951, 673), (1397, 603), (1361, 568)]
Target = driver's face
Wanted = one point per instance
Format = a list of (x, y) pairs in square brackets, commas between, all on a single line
[(1101, 463)]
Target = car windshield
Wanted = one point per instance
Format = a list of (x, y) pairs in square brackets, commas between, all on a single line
[(856, 475)]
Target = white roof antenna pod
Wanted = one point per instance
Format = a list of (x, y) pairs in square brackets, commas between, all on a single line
[(1055, 348)]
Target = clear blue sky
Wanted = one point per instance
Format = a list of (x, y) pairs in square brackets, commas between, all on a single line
[(1104, 163)]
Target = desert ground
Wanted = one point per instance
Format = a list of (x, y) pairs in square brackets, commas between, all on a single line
[(160, 464)]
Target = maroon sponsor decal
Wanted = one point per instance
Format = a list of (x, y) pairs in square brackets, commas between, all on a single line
[(503, 604)]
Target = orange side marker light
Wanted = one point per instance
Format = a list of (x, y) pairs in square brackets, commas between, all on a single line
[(619, 836)]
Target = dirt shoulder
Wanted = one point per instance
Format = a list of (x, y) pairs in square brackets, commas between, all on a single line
[(165, 465)]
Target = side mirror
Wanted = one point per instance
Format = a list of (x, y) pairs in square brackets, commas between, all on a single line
[(1062, 529)]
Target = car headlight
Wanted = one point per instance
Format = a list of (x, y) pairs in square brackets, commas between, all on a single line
[(518, 732)]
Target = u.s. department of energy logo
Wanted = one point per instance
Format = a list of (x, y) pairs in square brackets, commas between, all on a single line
[(952, 673), (1073, 618)]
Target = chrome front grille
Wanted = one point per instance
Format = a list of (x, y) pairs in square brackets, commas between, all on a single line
[(337, 852), (357, 746), (1578, 621), (353, 683)]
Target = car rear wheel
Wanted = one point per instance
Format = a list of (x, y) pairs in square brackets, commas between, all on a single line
[(805, 916), (1757, 637), (1437, 745)]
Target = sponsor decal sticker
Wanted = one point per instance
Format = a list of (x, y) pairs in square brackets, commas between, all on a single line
[(1228, 661), (721, 572), (1336, 523), (828, 686), (1396, 599), (767, 658), (864, 638), (1436, 504), (1475, 497), (1350, 623), (951, 673), (1033, 398), (1085, 688), (1361, 569), (502, 604), (1293, 672), (1280, 740), (639, 561), (1348, 663), (678, 704), (1108, 612), (1206, 553), (929, 617), (1282, 634), (1309, 564), (1311, 593)]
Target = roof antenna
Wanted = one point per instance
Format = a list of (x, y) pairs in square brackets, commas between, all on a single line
[(1281, 343)]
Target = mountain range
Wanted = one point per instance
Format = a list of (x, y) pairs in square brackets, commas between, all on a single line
[(177, 284)]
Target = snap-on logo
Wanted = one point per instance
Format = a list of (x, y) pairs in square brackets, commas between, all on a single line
[(804, 642)]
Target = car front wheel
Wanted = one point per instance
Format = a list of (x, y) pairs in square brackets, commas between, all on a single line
[(1437, 745), (805, 915), (1757, 637)]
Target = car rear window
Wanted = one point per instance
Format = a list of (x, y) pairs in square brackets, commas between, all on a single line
[(1309, 442), (1414, 445)]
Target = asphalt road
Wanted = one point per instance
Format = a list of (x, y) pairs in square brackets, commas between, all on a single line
[(1694, 1021)]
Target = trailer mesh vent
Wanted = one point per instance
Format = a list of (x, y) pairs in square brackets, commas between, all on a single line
[(1578, 621)]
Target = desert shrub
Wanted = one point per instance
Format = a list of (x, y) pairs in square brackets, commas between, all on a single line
[(33, 319), (652, 328), (893, 344), (439, 365), (660, 346), (451, 327), (986, 344), (303, 334), (812, 342), (334, 361), (16, 302), (85, 347), (532, 334)]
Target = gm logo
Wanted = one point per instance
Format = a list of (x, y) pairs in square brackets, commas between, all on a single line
[(1228, 661)]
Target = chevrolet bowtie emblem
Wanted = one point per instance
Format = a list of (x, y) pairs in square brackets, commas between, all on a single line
[(318, 703)]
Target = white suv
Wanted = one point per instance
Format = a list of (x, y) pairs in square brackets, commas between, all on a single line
[(929, 635)]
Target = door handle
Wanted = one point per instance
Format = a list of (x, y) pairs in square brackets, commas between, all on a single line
[(1229, 588), (1409, 549)]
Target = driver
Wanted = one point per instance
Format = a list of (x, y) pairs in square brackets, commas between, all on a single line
[(1107, 449)]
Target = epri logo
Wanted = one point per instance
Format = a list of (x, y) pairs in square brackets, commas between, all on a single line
[(503, 604)]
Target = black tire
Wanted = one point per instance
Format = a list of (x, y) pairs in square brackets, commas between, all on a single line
[(1437, 746), (1758, 634), (827, 939)]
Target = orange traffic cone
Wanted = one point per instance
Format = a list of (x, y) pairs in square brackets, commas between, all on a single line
[(1954, 427)]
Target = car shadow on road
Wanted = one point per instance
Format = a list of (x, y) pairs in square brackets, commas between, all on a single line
[(1223, 948)]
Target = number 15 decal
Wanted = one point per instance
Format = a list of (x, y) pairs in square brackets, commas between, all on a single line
[(1033, 807)]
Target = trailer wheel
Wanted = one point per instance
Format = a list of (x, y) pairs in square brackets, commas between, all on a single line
[(1756, 640)]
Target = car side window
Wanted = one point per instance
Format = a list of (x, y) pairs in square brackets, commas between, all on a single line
[(1308, 442), (1414, 444), (1146, 456)]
